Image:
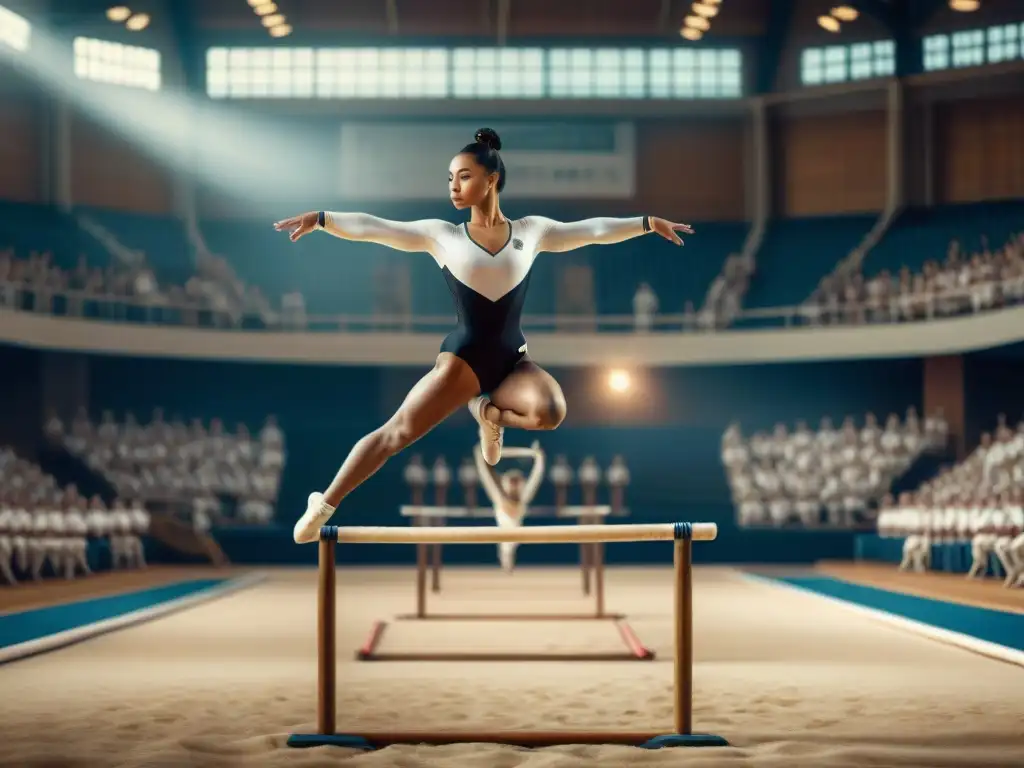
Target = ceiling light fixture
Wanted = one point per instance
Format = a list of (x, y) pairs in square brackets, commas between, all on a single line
[(828, 23), (697, 22), (845, 13), (118, 14), (138, 22)]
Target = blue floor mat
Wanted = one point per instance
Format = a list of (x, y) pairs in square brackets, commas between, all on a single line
[(999, 627), (37, 623)]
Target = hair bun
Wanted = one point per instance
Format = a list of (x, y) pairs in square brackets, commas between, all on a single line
[(488, 137)]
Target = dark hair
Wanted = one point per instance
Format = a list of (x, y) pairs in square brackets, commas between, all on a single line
[(484, 150)]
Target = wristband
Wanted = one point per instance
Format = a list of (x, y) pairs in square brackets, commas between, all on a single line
[(647, 223), (321, 219)]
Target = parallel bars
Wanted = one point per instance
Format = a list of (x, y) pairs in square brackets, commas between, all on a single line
[(428, 557), (683, 534)]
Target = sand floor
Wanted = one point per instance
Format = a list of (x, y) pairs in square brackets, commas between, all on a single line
[(789, 679)]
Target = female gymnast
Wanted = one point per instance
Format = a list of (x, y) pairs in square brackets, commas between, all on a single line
[(511, 493), (484, 361)]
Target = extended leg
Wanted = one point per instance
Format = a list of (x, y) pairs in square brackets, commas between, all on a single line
[(6, 557), (909, 544), (449, 386), (1017, 554), (1002, 550), (979, 559)]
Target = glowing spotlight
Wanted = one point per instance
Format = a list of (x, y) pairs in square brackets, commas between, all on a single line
[(705, 10), (264, 9), (281, 30), (691, 34), (272, 21), (254, 3), (618, 381), (118, 13), (138, 22), (828, 23), (845, 13), (697, 22), (965, 6)]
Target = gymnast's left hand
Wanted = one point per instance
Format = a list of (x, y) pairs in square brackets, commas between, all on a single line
[(668, 229), (301, 225)]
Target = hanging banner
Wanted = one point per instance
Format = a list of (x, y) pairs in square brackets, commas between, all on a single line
[(568, 160)]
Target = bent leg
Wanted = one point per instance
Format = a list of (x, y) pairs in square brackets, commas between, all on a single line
[(528, 398)]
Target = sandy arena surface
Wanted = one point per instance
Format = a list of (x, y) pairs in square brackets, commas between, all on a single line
[(789, 679)]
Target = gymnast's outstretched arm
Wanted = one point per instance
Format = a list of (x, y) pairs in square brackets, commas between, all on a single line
[(410, 236), (557, 236), (488, 478)]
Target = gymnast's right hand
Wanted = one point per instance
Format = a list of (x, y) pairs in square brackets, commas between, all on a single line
[(298, 226)]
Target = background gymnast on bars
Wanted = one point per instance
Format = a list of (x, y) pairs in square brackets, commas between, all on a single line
[(483, 362), (511, 493)]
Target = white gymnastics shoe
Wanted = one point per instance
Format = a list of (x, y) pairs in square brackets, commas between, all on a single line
[(307, 529), (491, 435)]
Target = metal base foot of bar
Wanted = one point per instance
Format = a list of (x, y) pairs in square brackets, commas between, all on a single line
[(528, 740), (349, 741), (685, 740)]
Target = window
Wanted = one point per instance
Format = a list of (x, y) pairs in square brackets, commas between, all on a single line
[(104, 61), (473, 73), (968, 48), (15, 31), (840, 63), (1004, 43), (936, 53), (973, 47), (326, 73), (497, 73), (684, 73)]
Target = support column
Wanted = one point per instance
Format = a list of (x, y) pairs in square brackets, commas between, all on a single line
[(61, 155), (895, 129)]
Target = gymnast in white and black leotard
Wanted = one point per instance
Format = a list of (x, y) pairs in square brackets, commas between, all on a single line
[(483, 362)]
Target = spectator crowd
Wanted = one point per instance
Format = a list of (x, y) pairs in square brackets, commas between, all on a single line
[(961, 284), (831, 475), (48, 531), (213, 294), (978, 502), (171, 464)]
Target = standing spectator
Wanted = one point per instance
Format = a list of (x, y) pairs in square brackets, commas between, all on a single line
[(645, 307)]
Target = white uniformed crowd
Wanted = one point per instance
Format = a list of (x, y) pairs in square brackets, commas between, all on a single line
[(800, 475), (979, 501), (169, 462), (963, 283), (45, 530)]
